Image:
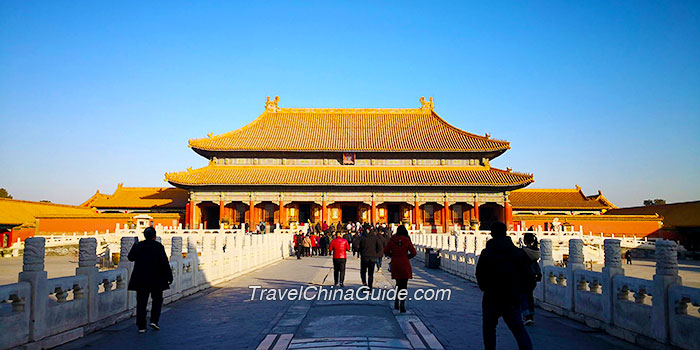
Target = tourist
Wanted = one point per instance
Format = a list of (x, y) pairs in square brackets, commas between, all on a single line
[(370, 249), (307, 245), (323, 244), (500, 273), (339, 247), (382, 240), (299, 244), (356, 245), (628, 257), (534, 275), (151, 276), (400, 250), (312, 239)]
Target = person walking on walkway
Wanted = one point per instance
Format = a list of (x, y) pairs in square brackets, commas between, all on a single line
[(382, 240), (400, 250), (356, 245), (370, 249), (299, 244), (323, 244), (151, 276), (534, 275), (314, 243), (339, 247), (628, 257), (500, 273), (307, 245)]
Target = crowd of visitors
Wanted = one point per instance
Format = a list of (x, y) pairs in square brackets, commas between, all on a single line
[(369, 243)]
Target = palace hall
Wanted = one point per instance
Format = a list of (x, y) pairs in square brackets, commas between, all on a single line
[(376, 165)]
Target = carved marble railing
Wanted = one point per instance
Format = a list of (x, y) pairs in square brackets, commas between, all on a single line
[(651, 313), (43, 312)]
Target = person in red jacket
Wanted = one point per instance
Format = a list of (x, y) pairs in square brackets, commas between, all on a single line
[(400, 250), (314, 244), (339, 247)]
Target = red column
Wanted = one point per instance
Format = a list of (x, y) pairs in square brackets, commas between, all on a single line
[(476, 211), (445, 221), (283, 215), (373, 213), (508, 215), (188, 215), (251, 216), (221, 212), (415, 213), (195, 217), (324, 212)]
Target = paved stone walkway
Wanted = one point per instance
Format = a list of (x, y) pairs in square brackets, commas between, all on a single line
[(224, 317)]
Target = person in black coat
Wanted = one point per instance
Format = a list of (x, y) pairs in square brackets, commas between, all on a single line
[(370, 248), (501, 273), (151, 276)]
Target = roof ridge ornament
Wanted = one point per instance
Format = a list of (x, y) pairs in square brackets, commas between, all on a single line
[(271, 106), (427, 105)]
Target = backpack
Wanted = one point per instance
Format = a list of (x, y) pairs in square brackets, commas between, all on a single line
[(534, 272)]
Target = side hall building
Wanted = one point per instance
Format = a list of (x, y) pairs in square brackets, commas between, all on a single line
[(380, 165)]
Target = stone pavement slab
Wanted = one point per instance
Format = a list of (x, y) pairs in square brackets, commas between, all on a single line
[(457, 323)]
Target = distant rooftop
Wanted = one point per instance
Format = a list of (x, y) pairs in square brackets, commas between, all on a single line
[(139, 198), (565, 199)]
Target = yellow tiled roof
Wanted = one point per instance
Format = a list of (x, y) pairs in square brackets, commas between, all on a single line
[(18, 212), (329, 129), (139, 197), (572, 199), (347, 176)]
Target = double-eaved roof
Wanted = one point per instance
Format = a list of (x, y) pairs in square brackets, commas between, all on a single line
[(386, 130)]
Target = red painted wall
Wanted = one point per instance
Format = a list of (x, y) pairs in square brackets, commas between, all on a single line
[(607, 226), (67, 225)]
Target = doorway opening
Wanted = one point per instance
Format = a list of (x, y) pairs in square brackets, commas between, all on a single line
[(304, 213), (269, 214), (394, 214), (211, 217), (349, 213)]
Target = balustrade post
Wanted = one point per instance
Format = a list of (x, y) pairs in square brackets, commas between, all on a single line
[(207, 257), (192, 253), (126, 243), (176, 257), (612, 268), (176, 248), (546, 259), (575, 263), (34, 273), (87, 265), (666, 276), (229, 269)]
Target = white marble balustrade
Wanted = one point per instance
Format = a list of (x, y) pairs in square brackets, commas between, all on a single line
[(653, 313), (44, 312)]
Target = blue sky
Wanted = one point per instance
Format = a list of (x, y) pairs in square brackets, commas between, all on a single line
[(601, 94)]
